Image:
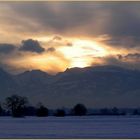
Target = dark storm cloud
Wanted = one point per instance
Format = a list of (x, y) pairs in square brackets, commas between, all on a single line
[(123, 41), (131, 60), (31, 46), (117, 19), (117, 23), (113, 60), (134, 55), (130, 56), (7, 48), (127, 43), (124, 19), (59, 16), (123, 25)]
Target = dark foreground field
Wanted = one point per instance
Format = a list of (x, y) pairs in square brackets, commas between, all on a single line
[(71, 127)]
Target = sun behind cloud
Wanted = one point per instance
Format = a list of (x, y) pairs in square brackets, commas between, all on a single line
[(82, 52)]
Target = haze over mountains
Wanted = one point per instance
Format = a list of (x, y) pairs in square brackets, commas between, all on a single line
[(100, 86)]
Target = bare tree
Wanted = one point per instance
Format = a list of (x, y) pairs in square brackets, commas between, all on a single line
[(79, 110), (42, 111), (16, 105), (60, 113)]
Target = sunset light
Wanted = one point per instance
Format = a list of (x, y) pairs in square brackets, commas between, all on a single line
[(82, 52), (69, 69), (60, 35)]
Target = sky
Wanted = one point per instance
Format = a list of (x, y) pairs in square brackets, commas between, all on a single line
[(54, 36)]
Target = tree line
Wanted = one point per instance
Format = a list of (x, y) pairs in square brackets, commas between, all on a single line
[(18, 106)]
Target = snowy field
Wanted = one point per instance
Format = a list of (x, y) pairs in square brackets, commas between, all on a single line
[(71, 127)]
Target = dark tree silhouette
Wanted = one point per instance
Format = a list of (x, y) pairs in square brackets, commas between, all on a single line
[(42, 111), (136, 112), (1, 110), (115, 111), (105, 111), (79, 110), (30, 111), (16, 104), (60, 113)]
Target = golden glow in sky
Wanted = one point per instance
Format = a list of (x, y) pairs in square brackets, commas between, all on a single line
[(66, 53), (53, 36), (82, 52)]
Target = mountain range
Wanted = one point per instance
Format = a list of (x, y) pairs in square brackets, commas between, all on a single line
[(99, 86)]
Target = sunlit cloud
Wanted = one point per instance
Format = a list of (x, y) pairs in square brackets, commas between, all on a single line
[(68, 34)]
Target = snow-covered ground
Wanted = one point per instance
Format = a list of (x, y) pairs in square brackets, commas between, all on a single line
[(71, 127)]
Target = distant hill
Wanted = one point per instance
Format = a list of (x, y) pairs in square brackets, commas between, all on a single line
[(100, 86), (7, 84)]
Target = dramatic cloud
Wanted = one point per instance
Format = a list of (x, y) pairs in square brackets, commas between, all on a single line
[(133, 56), (80, 33), (115, 18), (15, 59), (7, 48), (122, 41), (31, 46), (130, 61), (119, 20)]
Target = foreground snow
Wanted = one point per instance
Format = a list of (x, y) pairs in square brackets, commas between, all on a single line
[(71, 127)]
